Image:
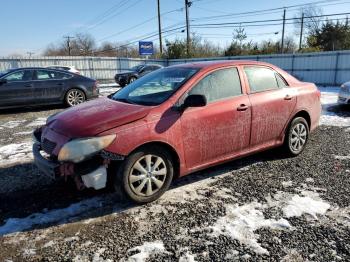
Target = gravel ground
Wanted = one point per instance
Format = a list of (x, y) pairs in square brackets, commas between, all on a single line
[(262, 208)]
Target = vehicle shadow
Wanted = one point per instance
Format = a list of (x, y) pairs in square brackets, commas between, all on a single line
[(31, 109), (59, 195)]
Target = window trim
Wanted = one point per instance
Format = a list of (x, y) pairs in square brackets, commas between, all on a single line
[(267, 90), (183, 97), (16, 71)]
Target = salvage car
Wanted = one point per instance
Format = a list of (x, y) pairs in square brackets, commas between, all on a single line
[(344, 94), (38, 86), (128, 76), (175, 121)]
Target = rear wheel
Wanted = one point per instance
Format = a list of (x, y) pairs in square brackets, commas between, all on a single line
[(145, 175), (297, 136), (132, 79), (75, 97)]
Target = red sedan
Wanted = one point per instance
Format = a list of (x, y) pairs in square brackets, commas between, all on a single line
[(175, 121)]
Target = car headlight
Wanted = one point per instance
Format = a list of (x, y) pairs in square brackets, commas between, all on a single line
[(79, 149)]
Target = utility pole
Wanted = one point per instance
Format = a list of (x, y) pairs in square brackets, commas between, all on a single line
[(160, 29), (68, 43), (284, 25), (301, 31), (187, 5)]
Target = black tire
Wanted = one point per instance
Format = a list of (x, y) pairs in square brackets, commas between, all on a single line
[(295, 141), (124, 186), (74, 97), (132, 79)]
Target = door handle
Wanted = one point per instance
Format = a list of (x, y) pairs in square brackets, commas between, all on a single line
[(28, 85), (60, 84), (288, 97), (242, 107)]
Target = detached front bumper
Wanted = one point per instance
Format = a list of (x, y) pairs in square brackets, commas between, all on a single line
[(45, 165)]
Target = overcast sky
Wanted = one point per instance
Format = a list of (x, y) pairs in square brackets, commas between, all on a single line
[(30, 25)]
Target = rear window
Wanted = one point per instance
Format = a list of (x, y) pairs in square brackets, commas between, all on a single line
[(263, 79)]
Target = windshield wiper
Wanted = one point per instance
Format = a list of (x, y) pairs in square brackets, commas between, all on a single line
[(124, 100)]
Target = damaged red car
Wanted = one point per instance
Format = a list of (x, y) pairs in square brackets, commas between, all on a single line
[(175, 121)]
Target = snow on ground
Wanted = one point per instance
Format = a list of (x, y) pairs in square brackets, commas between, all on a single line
[(329, 98), (37, 122), (240, 223), (146, 250), (56, 216), (11, 124), (15, 153), (108, 90)]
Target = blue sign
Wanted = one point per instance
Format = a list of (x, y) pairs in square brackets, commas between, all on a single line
[(145, 48)]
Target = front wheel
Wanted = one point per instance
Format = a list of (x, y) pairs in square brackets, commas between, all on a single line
[(75, 97), (145, 175), (297, 136), (132, 79)]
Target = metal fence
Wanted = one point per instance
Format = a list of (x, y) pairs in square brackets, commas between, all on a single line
[(323, 68), (101, 68)]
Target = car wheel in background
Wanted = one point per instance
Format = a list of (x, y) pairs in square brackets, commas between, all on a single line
[(132, 79), (145, 175), (296, 136), (75, 97)]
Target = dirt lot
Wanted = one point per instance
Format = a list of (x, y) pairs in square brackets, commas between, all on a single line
[(262, 208)]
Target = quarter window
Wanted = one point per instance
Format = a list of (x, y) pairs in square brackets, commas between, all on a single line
[(59, 75), (43, 75), (262, 79), (221, 84)]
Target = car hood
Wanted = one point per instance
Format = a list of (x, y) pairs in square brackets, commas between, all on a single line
[(94, 117)]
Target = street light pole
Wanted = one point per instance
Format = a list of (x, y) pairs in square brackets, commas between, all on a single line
[(187, 5)]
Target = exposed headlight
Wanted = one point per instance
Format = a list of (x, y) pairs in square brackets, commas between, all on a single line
[(79, 149)]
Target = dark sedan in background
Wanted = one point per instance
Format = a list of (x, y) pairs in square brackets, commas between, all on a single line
[(128, 76), (38, 86)]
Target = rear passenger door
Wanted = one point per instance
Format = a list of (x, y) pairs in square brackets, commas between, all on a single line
[(18, 89), (222, 127), (272, 104), (49, 85)]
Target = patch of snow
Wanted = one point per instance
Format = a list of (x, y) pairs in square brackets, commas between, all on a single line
[(146, 250), (53, 216), (232, 255), (49, 244), (108, 85), (298, 206), (187, 257), (37, 122), (29, 252), (108, 91), (23, 133), (329, 97), (287, 183), (12, 124), (13, 153), (240, 222), (342, 157), (309, 180)]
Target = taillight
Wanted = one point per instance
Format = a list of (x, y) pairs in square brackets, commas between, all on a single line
[(95, 87), (318, 93)]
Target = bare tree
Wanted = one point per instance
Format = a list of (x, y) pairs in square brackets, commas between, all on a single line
[(312, 23)]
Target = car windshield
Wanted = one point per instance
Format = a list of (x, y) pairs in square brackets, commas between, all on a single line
[(155, 88), (4, 72)]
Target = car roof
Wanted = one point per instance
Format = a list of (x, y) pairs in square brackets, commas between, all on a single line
[(219, 63)]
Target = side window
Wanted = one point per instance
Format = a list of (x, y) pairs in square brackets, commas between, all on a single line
[(43, 75), (261, 78), (16, 76), (59, 75), (280, 81), (219, 85)]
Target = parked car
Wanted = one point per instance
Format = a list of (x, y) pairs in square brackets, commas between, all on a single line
[(175, 121), (36, 86), (344, 94), (71, 69), (126, 77)]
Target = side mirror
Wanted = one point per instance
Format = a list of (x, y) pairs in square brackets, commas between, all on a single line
[(3, 81), (194, 101)]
